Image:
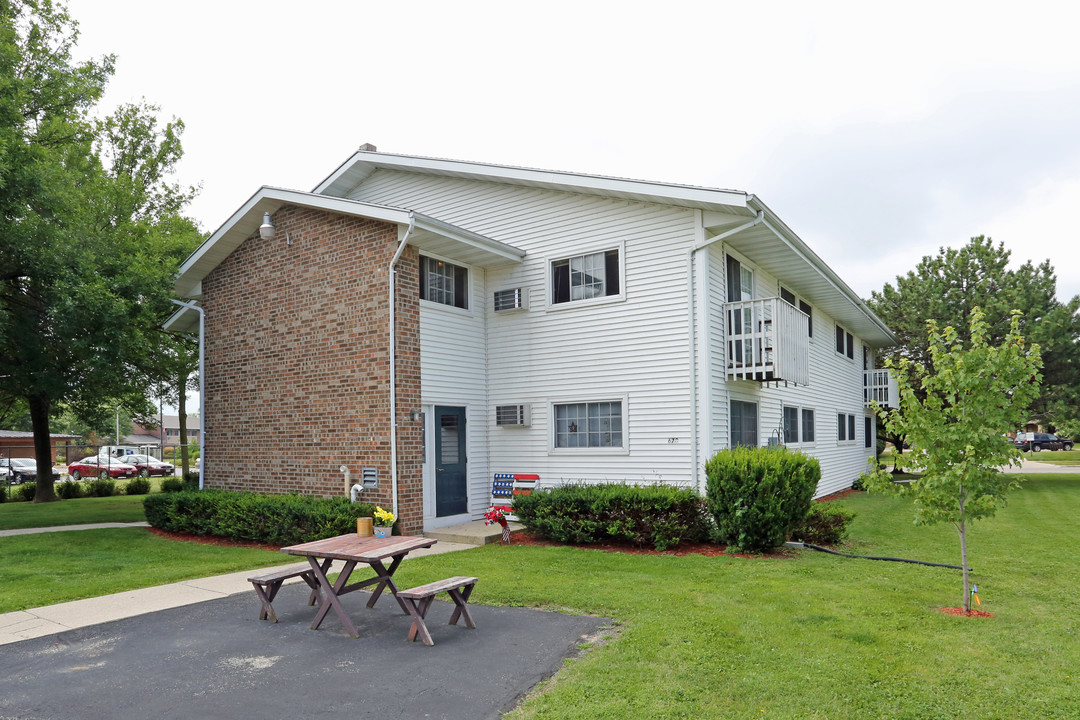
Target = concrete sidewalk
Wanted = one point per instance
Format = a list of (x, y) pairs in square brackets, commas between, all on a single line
[(51, 619)]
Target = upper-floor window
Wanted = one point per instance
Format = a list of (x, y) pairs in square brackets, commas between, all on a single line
[(845, 342), (585, 276), (740, 281), (789, 296), (444, 283)]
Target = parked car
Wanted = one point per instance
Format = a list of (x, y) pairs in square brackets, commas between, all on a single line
[(1036, 442), (103, 467), (148, 465), (21, 470)]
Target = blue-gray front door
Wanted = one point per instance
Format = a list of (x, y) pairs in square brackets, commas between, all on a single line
[(451, 471)]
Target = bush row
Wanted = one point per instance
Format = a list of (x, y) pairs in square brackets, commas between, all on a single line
[(271, 519), (77, 489), (656, 515)]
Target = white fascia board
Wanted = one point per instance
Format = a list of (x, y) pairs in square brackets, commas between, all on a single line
[(248, 217), (552, 179), (793, 241)]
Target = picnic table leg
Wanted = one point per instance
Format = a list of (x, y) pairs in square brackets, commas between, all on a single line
[(266, 598), (331, 592), (418, 624), (387, 573), (460, 600)]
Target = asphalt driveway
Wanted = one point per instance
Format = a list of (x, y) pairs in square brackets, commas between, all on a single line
[(217, 660)]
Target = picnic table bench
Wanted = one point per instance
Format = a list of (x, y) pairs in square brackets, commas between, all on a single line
[(267, 586), (459, 588)]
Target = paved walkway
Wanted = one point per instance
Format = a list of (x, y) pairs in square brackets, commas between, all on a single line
[(51, 619)]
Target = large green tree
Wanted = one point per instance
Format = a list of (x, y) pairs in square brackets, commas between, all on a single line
[(89, 230), (953, 416), (945, 287)]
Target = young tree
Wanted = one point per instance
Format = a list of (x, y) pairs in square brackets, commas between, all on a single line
[(956, 425)]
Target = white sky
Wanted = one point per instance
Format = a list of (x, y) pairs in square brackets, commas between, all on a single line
[(879, 132)]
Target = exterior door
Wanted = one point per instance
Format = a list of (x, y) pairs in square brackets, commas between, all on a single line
[(451, 471)]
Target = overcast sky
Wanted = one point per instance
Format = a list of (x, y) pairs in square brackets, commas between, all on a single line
[(878, 132)]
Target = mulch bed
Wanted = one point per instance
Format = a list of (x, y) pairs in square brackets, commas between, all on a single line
[(963, 613)]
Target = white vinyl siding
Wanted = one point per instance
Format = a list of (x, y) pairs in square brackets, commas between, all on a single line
[(637, 349)]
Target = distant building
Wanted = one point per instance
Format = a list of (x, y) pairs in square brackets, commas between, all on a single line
[(16, 443), (168, 435)]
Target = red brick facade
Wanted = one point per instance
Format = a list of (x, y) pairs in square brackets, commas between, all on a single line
[(297, 362)]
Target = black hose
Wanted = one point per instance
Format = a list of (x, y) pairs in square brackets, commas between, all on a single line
[(872, 557)]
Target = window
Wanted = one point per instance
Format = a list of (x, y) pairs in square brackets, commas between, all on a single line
[(585, 276), (845, 427), (807, 426), (868, 431), (796, 419), (589, 425), (789, 296), (740, 281), (845, 343), (791, 424), (743, 423), (444, 283)]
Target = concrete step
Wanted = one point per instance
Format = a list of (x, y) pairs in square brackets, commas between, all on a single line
[(471, 533)]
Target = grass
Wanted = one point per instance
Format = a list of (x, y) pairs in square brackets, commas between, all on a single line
[(1060, 457), (118, 508), (49, 568), (804, 635)]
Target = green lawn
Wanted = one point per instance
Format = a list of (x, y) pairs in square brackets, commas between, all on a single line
[(119, 508), (1060, 457), (806, 635)]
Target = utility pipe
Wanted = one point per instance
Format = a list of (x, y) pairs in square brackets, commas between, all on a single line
[(202, 384), (393, 367)]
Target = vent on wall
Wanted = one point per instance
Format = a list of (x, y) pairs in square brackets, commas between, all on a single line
[(512, 415), (511, 299)]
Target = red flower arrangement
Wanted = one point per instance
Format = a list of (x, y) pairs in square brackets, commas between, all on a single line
[(496, 514)]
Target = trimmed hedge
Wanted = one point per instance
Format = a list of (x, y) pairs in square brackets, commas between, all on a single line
[(271, 519), (756, 495), (657, 515)]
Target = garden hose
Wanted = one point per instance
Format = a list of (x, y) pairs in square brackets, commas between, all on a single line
[(871, 557)]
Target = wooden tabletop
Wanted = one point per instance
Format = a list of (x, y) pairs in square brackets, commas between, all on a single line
[(365, 549)]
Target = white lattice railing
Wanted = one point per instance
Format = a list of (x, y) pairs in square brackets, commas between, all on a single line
[(767, 340), (880, 386)]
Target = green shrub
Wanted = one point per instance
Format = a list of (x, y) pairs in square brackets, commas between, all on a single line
[(25, 491), (656, 515), (138, 486), (271, 519), (101, 488), (756, 495), (173, 484), (825, 524), (69, 490), (3, 492)]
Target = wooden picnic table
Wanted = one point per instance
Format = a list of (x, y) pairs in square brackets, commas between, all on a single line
[(353, 549)]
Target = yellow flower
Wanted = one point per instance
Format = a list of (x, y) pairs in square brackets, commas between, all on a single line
[(383, 518)]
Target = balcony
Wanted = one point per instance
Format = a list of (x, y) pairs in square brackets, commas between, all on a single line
[(880, 386), (767, 341)]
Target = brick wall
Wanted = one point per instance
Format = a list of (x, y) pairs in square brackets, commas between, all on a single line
[(297, 362)]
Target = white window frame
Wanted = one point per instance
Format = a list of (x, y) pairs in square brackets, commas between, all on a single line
[(849, 337), (469, 273), (623, 449), (799, 302), (549, 279), (850, 419), (801, 410)]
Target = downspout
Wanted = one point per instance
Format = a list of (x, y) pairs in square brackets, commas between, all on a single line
[(393, 368), (202, 383)]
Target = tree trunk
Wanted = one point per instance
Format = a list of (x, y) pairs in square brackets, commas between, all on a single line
[(961, 529), (39, 420)]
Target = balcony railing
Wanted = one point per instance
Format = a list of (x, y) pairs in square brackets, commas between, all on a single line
[(880, 386), (767, 341)]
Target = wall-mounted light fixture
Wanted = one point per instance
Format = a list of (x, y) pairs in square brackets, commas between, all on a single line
[(267, 231), (415, 415)]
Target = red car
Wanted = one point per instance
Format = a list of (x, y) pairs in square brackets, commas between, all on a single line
[(147, 465), (103, 467)]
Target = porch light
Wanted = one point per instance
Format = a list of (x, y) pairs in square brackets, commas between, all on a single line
[(267, 231)]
